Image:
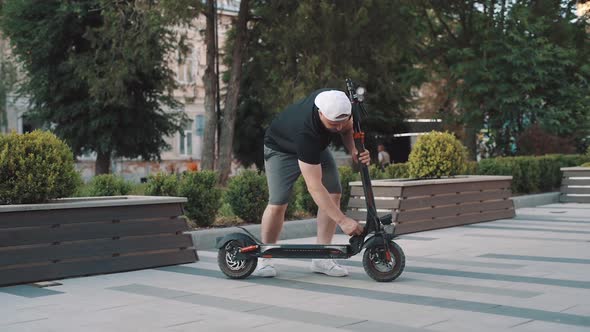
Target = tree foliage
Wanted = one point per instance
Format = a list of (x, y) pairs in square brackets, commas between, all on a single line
[(296, 47), (97, 71), (513, 64)]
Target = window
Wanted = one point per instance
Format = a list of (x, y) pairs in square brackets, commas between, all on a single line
[(200, 122), (187, 67), (186, 140)]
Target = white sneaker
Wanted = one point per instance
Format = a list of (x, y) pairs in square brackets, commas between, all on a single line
[(265, 269), (328, 267)]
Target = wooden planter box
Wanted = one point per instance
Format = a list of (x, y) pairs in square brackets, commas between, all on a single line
[(87, 236), (575, 185), (420, 205)]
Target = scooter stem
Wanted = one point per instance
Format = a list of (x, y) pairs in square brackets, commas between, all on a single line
[(372, 219)]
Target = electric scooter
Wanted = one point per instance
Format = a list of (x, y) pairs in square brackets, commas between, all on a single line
[(383, 259)]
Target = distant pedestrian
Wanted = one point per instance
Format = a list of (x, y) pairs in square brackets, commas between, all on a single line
[(383, 156)]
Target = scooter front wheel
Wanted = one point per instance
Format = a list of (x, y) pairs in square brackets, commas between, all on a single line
[(230, 265), (383, 267)]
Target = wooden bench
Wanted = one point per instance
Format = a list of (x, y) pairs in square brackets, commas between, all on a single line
[(420, 205), (575, 185), (78, 237)]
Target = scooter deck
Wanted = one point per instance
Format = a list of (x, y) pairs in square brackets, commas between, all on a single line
[(305, 250)]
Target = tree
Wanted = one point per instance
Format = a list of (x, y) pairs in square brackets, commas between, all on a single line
[(208, 153), (7, 81), (512, 64), (299, 46), (97, 71), (228, 118)]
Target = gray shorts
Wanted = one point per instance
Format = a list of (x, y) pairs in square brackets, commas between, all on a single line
[(282, 170)]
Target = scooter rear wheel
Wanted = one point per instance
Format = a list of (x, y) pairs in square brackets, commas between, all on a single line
[(233, 267), (379, 267)]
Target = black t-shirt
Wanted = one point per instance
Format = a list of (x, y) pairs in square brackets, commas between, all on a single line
[(299, 130)]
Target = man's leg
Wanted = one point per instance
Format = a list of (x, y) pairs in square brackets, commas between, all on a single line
[(327, 226), (272, 222), (282, 170)]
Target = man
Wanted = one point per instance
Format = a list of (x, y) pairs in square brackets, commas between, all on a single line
[(383, 156), (296, 144)]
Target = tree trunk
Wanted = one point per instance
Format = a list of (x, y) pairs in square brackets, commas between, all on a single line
[(103, 163), (3, 115), (233, 91), (210, 81)]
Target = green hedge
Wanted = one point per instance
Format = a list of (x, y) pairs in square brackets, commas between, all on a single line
[(108, 185), (470, 168), (397, 171), (531, 174), (162, 184)]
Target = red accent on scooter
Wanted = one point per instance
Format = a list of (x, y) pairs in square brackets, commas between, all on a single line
[(249, 248)]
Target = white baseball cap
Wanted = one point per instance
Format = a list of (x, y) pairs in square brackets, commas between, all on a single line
[(334, 105)]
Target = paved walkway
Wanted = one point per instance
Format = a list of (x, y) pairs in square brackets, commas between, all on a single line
[(531, 273)]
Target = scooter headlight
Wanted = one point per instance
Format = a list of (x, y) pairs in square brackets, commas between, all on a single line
[(360, 93)]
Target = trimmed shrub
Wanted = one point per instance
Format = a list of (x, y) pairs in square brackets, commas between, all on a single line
[(204, 197), (504, 166), (586, 165), (162, 184), (247, 193), (435, 155), (375, 173), (525, 175), (470, 168), (397, 171), (108, 185), (549, 173), (225, 210), (495, 166), (531, 174), (35, 167)]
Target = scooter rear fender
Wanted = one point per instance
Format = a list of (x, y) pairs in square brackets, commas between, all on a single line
[(244, 239)]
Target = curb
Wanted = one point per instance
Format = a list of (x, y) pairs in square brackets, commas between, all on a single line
[(535, 200), (205, 239)]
